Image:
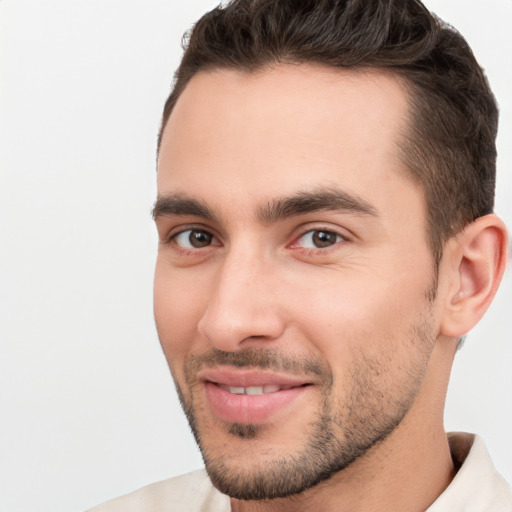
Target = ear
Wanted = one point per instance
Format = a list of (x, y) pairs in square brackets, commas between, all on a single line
[(477, 260)]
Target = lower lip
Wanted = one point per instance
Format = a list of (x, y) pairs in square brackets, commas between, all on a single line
[(249, 409)]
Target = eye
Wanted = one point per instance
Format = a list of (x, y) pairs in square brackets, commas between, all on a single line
[(194, 239), (319, 239)]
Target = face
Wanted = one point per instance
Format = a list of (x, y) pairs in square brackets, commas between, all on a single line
[(293, 272)]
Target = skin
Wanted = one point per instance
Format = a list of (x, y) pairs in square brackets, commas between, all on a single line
[(359, 306)]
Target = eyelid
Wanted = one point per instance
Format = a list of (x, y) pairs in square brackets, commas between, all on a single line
[(213, 241), (171, 233), (304, 230)]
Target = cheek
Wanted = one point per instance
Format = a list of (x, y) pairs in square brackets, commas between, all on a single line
[(359, 310), (178, 303)]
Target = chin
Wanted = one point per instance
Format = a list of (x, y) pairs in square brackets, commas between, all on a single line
[(247, 465)]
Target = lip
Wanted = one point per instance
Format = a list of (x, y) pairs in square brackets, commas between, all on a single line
[(229, 376), (249, 409)]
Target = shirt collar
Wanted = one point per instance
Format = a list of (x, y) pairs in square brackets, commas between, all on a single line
[(477, 486)]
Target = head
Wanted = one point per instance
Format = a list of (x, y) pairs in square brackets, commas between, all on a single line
[(317, 161)]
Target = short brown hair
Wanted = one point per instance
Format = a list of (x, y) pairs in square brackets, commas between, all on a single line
[(450, 145)]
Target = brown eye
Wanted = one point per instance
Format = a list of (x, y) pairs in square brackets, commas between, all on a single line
[(319, 239), (193, 239), (200, 238)]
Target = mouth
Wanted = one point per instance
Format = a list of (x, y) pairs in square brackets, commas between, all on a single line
[(249, 396)]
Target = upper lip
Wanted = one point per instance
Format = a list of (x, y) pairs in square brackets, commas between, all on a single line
[(235, 377)]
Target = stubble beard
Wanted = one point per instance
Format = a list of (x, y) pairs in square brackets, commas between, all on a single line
[(340, 434)]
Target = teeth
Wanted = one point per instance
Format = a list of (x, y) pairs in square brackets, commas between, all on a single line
[(252, 390)]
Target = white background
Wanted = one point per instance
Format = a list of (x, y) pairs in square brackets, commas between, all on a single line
[(87, 408)]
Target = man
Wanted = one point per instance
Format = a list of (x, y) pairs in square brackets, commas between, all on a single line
[(325, 193)]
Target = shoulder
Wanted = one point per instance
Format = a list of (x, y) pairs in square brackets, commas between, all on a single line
[(193, 492)]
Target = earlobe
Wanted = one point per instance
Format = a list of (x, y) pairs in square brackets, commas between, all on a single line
[(478, 260)]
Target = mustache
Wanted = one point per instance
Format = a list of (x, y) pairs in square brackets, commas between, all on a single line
[(264, 359)]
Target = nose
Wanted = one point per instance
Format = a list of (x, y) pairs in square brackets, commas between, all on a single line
[(244, 308)]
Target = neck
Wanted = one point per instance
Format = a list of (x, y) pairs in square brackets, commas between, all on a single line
[(406, 472)]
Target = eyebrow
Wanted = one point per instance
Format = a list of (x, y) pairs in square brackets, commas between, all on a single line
[(177, 204), (328, 199), (297, 204)]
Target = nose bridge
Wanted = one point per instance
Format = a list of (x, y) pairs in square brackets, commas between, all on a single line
[(239, 276), (242, 303)]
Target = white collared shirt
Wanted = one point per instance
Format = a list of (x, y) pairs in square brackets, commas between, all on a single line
[(477, 486)]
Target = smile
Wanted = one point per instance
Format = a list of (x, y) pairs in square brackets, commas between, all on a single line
[(250, 396)]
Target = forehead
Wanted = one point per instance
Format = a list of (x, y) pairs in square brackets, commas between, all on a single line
[(283, 129)]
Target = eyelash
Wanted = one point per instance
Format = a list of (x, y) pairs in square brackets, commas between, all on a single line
[(313, 250), (173, 238)]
